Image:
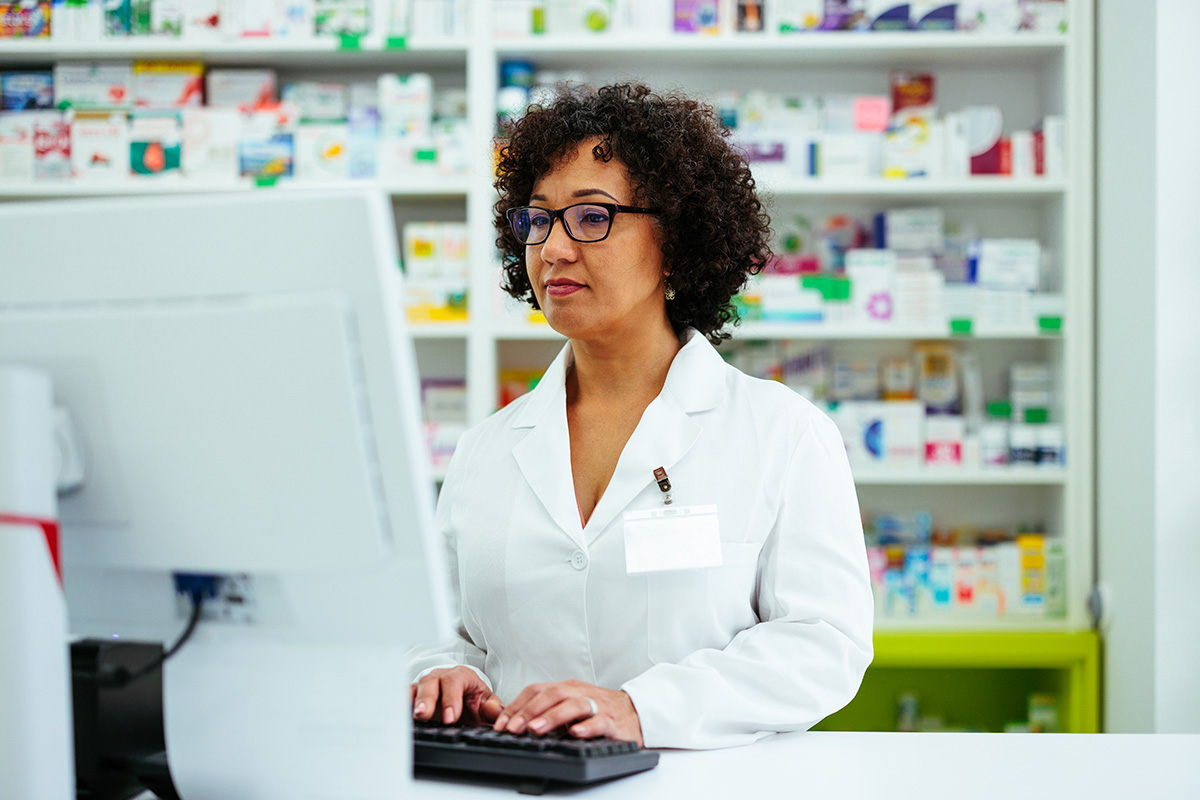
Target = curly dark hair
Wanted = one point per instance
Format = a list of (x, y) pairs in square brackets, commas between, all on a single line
[(712, 225)]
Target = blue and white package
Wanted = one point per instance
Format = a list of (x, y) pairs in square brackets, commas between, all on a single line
[(26, 91), (934, 15)]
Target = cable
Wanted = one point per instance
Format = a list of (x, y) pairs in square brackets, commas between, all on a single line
[(121, 676)]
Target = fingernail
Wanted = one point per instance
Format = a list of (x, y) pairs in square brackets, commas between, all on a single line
[(449, 715), (501, 721), (420, 709), (516, 725), (538, 725)]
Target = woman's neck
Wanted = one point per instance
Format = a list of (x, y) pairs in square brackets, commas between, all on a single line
[(630, 369)]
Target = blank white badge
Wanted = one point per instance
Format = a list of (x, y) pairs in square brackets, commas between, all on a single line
[(662, 539)]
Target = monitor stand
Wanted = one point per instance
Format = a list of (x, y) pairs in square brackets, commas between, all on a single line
[(251, 719)]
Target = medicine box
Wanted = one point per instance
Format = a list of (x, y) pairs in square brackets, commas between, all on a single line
[(937, 376), (253, 18), (919, 298), (1005, 264), (338, 17), (845, 15), (321, 151), (988, 16), (26, 91), (319, 101), (889, 434), (240, 88), (794, 16), (405, 105), (91, 86), (210, 144), (206, 20), (578, 17), (268, 158), (168, 84), (1032, 550), (76, 22), (166, 18), (985, 129), (944, 435), (293, 19), (697, 16), (118, 17), (911, 229), (51, 145), (872, 285), (25, 19), (934, 15), (889, 15), (155, 139), (16, 147), (100, 146)]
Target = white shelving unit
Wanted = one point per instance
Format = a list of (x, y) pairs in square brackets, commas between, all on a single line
[(1028, 76)]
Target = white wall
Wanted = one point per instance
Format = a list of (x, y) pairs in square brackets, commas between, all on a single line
[(1177, 560), (1148, 378)]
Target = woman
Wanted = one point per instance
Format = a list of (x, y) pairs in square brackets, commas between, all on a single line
[(628, 220)]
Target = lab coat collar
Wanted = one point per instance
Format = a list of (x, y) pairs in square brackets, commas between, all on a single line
[(695, 383)]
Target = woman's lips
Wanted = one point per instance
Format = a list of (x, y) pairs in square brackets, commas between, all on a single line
[(562, 288)]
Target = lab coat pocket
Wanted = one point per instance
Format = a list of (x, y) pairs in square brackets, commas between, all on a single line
[(689, 610)]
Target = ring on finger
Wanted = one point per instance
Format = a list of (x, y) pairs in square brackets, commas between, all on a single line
[(593, 708)]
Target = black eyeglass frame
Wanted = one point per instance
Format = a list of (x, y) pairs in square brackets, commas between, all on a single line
[(612, 208)]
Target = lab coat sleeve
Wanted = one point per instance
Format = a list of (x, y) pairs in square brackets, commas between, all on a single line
[(461, 650), (806, 657)]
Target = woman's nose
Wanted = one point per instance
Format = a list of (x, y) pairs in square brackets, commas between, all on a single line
[(558, 245)]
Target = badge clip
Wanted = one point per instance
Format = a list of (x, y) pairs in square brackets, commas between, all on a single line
[(664, 484)]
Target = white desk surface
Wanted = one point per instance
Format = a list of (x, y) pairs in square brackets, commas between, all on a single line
[(895, 766)]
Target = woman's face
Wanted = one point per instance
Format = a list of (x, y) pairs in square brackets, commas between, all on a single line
[(596, 291)]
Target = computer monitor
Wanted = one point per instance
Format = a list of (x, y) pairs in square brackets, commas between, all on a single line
[(244, 388)]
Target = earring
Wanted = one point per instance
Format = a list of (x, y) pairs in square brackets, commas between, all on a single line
[(669, 293)]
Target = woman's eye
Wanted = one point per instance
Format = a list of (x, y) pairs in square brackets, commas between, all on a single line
[(595, 218)]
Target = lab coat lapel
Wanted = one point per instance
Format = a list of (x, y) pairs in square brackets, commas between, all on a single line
[(662, 437), (544, 454), (666, 430)]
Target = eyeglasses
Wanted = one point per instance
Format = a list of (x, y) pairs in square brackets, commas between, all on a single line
[(584, 222)]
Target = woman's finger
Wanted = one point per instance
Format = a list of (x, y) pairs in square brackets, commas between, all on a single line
[(515, 708), (537, 703), (427, 691), (571, 708)]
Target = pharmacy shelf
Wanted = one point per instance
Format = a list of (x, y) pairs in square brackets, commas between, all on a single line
[(440, 330), (960, 476), (984, 649), (421, 187), (778, 331), (957, 663), (973, 625), (1060, 66), (283, 52), (978, 186), (821, 332), (528, 333), (899, 49)]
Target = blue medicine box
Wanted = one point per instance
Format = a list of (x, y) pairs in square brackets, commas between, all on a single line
[(26, 91)]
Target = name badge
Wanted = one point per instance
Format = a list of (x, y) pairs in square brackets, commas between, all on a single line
[(671, 538)]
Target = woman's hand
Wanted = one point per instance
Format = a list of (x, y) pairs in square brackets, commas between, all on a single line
[(454, 694), (543, 707)]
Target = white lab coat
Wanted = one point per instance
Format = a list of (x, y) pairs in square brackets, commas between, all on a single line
[(774, 639)]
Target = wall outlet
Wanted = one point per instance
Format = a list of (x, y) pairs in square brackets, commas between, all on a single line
[(233, 601)]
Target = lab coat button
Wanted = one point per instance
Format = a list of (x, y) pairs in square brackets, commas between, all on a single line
[(578, 559)]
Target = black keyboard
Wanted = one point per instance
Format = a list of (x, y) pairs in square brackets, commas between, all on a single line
[(533, 760)]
